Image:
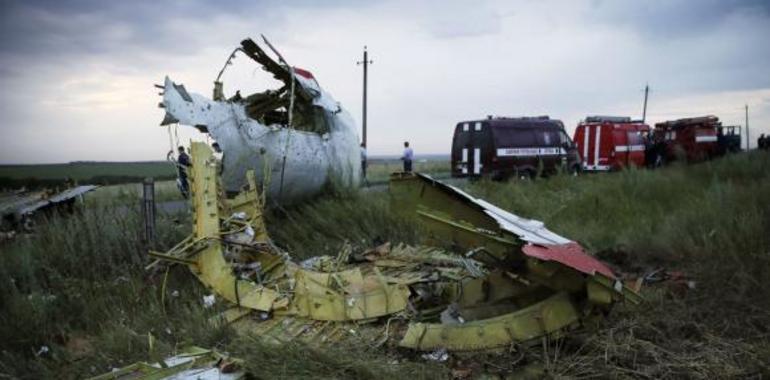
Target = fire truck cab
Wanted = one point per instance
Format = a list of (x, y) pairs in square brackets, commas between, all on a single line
[(695, 139), (611, 142)]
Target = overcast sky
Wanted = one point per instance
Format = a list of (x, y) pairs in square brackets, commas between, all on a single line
[(76, 78)]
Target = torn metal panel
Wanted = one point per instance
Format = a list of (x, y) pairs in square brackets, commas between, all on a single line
[(438, 203), (461, 206), (294, 142), (570, 254), (17, 207)]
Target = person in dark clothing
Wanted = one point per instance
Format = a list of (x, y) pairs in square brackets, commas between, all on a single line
[(182, 163)]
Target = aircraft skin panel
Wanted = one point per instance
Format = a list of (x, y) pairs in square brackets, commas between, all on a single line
[(312, 159)]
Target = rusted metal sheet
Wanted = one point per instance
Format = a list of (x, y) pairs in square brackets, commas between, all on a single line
[(571, 255)]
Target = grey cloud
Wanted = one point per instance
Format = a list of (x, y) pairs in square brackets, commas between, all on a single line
[(469, 20), (667, 19), (435, 63), (67, 28)]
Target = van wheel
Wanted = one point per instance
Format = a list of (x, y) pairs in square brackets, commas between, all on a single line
[(525, 174)]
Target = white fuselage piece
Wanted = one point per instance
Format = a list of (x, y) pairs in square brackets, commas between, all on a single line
[(312, 160)]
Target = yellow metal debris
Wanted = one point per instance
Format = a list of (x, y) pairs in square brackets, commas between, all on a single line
[(493, 293)]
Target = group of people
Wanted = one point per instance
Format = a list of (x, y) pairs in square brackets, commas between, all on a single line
[(406, 158), (763, 142)]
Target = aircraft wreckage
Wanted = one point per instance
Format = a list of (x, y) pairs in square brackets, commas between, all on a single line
[(296, 138), (482, 278)]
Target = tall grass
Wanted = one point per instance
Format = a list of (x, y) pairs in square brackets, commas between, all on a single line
[(711, 221), (378, 170), (80, 281), (321, 227)]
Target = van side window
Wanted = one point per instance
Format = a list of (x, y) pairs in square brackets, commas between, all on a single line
[(547, 138), (516, 137), (563, 138)]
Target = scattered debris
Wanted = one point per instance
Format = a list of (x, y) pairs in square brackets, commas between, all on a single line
[(42, 351), (209, 301), (18, 208), (191, 363), (516, 282), (482, 279), (439, 355)]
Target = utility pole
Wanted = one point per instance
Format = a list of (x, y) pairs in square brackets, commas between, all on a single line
[(366, 63), (748, 141), (644, 110)]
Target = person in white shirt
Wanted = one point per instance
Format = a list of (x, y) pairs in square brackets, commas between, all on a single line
[(407, 157)]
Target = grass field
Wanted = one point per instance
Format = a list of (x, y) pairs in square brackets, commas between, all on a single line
[(85, 170), (112, 173), (79, 289), (101, 173)]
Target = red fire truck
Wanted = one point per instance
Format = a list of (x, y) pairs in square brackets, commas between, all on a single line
[(695, 139), (611, 142)]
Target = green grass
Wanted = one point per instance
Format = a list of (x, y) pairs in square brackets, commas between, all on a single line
[(82, 277), (379, 170), (116, 173), (103, 173), (85, 170), (132, 193)]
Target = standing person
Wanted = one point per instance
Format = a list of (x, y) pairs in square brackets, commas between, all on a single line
[(407, 157), (182, 163)]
